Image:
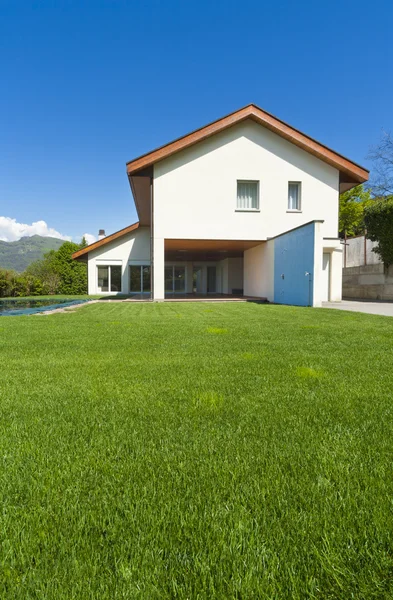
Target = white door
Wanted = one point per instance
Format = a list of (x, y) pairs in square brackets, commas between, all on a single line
[(325, 276)]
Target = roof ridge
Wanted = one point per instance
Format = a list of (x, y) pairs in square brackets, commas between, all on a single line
[(264, 118)]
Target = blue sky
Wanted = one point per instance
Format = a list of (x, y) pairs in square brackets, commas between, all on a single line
[(89, 85)]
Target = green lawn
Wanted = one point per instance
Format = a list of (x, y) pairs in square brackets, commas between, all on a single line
[(196, 451)]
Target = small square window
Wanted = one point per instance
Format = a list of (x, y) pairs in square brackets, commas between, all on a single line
[(247, 195), (294, 195)]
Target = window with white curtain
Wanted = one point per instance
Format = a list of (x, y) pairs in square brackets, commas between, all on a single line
[(247, 195), (294, 195)]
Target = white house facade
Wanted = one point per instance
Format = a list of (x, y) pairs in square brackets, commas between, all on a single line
[(244, 206)]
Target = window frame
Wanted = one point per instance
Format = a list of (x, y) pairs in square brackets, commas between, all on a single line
[(141, 266), (173, 267), (109, 267), (257, 181), (299, 209)]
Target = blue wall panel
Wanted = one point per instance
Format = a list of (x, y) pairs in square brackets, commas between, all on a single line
[(293, 258)]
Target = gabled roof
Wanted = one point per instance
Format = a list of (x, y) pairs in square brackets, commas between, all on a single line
[(106, 240), (350, 172)]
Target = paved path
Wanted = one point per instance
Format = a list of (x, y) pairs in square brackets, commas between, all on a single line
[(364, 306)]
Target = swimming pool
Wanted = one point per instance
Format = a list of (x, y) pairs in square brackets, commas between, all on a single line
[(21, 306)]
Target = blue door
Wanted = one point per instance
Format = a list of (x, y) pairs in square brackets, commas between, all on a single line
[(294, 266)]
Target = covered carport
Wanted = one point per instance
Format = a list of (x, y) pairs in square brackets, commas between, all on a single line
[(201, 267)]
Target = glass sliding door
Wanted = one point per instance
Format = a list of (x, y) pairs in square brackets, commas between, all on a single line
[(169, 279), (109, 278), (103, 279), (175, 280), (115, 278), (146, 279), (135, 279), (179, 278), (139, 279), (197, 275), (211, 280)]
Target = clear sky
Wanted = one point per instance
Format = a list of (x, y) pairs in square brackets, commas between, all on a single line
[(87, 85)]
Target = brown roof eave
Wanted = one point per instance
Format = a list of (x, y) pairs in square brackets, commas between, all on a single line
[(106, 240), (302, 140)]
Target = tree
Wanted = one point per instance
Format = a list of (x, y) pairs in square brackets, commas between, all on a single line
[(59, 273), (382, 157), (56, 273), (351, 211), (378, 218), (6, 285), (44, 271), (73, 274)]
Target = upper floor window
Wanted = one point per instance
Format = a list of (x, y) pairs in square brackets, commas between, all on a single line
[(247, 195), (294, 195)]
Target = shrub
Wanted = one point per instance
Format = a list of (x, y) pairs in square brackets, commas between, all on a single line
[(378, 218)]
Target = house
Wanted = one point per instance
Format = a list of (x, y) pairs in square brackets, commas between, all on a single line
[(245, 205)]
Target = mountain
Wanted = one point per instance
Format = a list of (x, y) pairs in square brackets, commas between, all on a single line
[(19, 255)]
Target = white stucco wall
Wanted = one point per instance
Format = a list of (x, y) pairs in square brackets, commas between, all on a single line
[(235, 274), (231, 274), (318, 257), (195, 191), (259, 271), (133, 248), (225, 275), (335, 249), (336, 283), (358, 252)]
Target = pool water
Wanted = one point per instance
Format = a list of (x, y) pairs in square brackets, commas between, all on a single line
[(21, 306)]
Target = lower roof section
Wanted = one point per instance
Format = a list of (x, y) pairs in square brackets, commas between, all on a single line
[(83, 252)]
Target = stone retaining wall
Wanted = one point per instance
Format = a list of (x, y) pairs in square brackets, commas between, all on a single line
[(370, 282)]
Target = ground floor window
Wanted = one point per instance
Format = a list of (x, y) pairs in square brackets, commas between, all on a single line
[(109, 278), (140, 279), (175, 279)]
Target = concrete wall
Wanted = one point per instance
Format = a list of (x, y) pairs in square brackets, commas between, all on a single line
[(365, 276), (259, 271), (370, 282), (235, 274), (359, 252), (195, 191), (335, 292)]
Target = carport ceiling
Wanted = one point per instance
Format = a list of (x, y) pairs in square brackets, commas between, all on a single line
[(207, 249)]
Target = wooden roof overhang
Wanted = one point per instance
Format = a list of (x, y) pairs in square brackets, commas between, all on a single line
[(82, 254), (351, 174), (178, 250)]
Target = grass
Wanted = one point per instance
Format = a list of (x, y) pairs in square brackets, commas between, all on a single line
[(196, 451)]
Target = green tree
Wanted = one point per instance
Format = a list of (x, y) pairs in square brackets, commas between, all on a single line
[(378, 218), (351, 211), (5, 285), (59, 273), (382, 157), (56, 273), (44, 271), (73, 274)]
